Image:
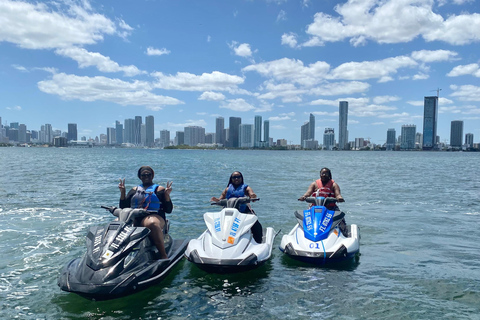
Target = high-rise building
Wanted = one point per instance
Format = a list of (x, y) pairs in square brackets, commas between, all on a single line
[(22, 133), (129, 131), (257, 132), (72, 132), (150, 132), (408, 137), (233, 133), (329, 139), (456, 134), (220, 130), (137, 130), (359, 143), (118, 132), (308, 132), (430, 118), (48, 133), (179, 138), (418, 140), (246, 136), (391, 137), (164, 138), (266, 133), (342, 125), (194, 135), (469, 140), (111, 135)]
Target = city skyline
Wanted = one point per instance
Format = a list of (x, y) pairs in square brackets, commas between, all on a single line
[(188, 63)]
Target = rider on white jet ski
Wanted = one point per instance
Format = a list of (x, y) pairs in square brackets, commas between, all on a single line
[(236, 189)]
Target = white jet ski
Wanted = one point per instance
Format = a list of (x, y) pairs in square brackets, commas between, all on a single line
[(228, 245), (319, 236)]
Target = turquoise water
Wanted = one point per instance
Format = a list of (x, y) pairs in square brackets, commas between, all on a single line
[(418, 214)]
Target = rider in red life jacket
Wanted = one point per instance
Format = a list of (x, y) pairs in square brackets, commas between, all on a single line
[(324, 187)]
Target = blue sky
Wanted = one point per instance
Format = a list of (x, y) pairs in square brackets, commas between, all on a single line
[(188, 62)]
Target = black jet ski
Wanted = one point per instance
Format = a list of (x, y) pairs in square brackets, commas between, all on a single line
[(120, 259)]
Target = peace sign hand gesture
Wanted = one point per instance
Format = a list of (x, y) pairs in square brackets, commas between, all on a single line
[(168, 189), (121, 186)]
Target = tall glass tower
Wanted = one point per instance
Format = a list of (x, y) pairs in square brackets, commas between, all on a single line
[(342, 125), (150, 131), (391, 137), (219, 130), (430, 117), (266, 133), (456, 134), (257, 135), (234, 127), (72, 132)]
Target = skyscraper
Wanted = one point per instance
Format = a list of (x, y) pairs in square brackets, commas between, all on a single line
[(257, 132), (342, 125), (233, 134), (220, 130), (308, 131), (111, 136), (391, 134), (179, 138), (456, 134), (430, 117), (72, 132), (329, 139), (194, 135), (469, 140), (311, 127), (408, 137), (118, 132), (246, 136), (129, 131), (266, 133), (137, 131), (164, 138), (150, 131)]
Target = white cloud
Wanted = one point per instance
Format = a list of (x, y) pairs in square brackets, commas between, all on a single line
[(184, 81), (211, 96), (469, 69), (16, 108), (339, 88), (420, 76), (241, 50), (239, 105), (20, 68), (385, 99), (289, 39), (434, 55), (36, 26), (466, 92), (157, 52), (86, 59), (188, 123), (393, 21), (71, 87), (282, 16)]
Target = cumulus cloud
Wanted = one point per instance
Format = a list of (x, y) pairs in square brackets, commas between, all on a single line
[(342, 87), (289, 39), (385, 99), (393, 21), (469, 69), (466, 92), (15, 108), (36, 26), (434, 55), (282, 16), (211, 96), (86, 59), (157, 52), (184, 81), (73, 87), (241, 50), (239, 105)]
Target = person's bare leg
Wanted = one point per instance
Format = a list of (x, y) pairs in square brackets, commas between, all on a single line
[(156, 224)]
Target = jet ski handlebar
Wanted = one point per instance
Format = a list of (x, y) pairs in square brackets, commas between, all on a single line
[(321, 201), (234, 202), (128, 214)]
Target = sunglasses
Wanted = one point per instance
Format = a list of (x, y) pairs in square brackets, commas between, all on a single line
[(236, 177), (146, 175)]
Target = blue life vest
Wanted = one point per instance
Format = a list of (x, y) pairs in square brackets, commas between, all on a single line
[(146, 198), (233, 192)]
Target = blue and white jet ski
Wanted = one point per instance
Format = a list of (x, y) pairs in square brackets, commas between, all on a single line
[(319, 236), (228, 245), (120, 259)]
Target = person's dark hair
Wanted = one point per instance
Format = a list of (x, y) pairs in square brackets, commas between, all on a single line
[(328, 170), (145, 168), (230, 181)]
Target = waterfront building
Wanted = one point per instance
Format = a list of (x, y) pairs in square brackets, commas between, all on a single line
[(194, 135), (137, 131), (12, 134), (282, 142), (149, 131), (430, 118), (408, 137), (469, 140), (329, 139), (72, 132), (246, 136), (359, 143), (48, 133), (22, 133), (220, 131), (60, 141), (418, 140), (391, 134), (118, 132), (179, 138), (143, 135), (233, 134), (209, 138), (456, 134), (164, 138), (308, 131), (111, 135), (129, 129), (342, 125), (266, 133), (257, 132)]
